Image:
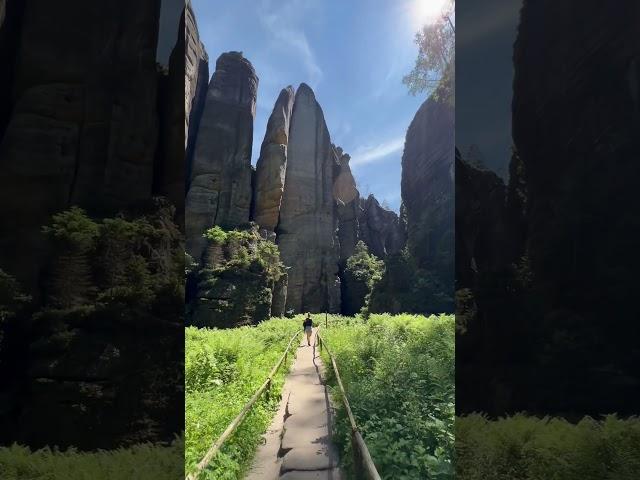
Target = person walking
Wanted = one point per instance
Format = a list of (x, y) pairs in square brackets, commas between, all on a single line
[(308, 328)]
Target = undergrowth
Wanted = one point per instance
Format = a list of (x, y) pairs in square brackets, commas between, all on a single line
[(530, 448), (223, 369), (145, 461), (398, 372)]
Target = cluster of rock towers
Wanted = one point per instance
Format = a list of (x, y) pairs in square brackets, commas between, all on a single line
[(301, 194)]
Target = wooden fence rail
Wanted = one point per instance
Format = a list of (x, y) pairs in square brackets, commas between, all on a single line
[(215, 447), (363, 464)]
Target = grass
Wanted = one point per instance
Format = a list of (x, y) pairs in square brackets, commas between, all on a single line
[(530, 448), (143, 462), (398, 372), (223, 369)]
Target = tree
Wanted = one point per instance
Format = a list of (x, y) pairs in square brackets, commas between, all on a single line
[(436, 53)]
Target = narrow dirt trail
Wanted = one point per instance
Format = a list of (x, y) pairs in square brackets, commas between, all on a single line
[(298, 443)]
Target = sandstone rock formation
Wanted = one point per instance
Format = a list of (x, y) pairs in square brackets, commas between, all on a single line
[(427, 189), (347, 199), (196, 80), (169, 171), (220, 186), (84, 122), (80, 126), (381, 229), (306, 230), (483, 239), (272, 164)]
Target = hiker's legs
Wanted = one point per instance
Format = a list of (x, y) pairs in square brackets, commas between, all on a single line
[(308, 337)]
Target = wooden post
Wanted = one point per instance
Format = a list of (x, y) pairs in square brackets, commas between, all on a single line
[(326, 320), (357, 459)]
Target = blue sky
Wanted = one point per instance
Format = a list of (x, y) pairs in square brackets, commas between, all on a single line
[(352, 53)]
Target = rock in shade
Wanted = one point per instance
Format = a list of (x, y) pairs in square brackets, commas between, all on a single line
[(196, 80), (381, 229), (272, 164), (306, 231), (427, 189), (220, 186)]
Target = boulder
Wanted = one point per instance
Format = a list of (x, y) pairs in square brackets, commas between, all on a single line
[(220, 186), (272, 163), (306, 230)]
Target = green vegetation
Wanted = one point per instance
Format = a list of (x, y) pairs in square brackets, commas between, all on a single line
[(236, 282), (399, 375), (123, 262), (362, 272), (528, 448), (434, 67), (145, 461), (405, 287), (223, 368)]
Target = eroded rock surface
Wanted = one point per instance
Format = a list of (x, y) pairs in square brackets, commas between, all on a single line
[(272, 164), (306, 231), (220, 186), (380, 229), (196, 80), (427, 189)]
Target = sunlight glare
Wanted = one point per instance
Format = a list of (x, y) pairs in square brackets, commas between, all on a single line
[(426, 11)]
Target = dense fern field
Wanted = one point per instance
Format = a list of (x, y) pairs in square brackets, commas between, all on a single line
[(223, 368), (147, 461), (398, 372), (530, 448)]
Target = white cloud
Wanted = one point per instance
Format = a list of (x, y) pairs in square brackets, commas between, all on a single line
[(282, 25), (371, 154)]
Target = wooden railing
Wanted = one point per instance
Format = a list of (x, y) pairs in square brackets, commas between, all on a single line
[(364, 468), (215, 447)]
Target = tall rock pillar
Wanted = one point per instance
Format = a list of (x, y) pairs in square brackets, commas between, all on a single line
[(220, 187), (272, 164), (306, 231)]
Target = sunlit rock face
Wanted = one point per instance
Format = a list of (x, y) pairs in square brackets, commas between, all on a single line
[(306, 230), (220, 186), (427, 189), (271, 166), (347, 198)]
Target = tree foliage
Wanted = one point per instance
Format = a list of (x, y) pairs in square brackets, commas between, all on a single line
[(435, 64)]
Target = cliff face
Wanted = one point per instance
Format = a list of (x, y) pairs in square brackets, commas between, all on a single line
[(220, 186), (81, 126), (576, 117), (381, 229), (196, 80), (272, 164), (427, 189), (306, 230), (84, 123)]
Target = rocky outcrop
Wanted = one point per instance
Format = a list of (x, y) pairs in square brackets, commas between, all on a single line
[(427, 189), (272, 164), (380, 229), (80, 125), (169, 172), (196, 80), (306, 230), (483, 240), (220, 186), (84, 122), (347, 205)]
